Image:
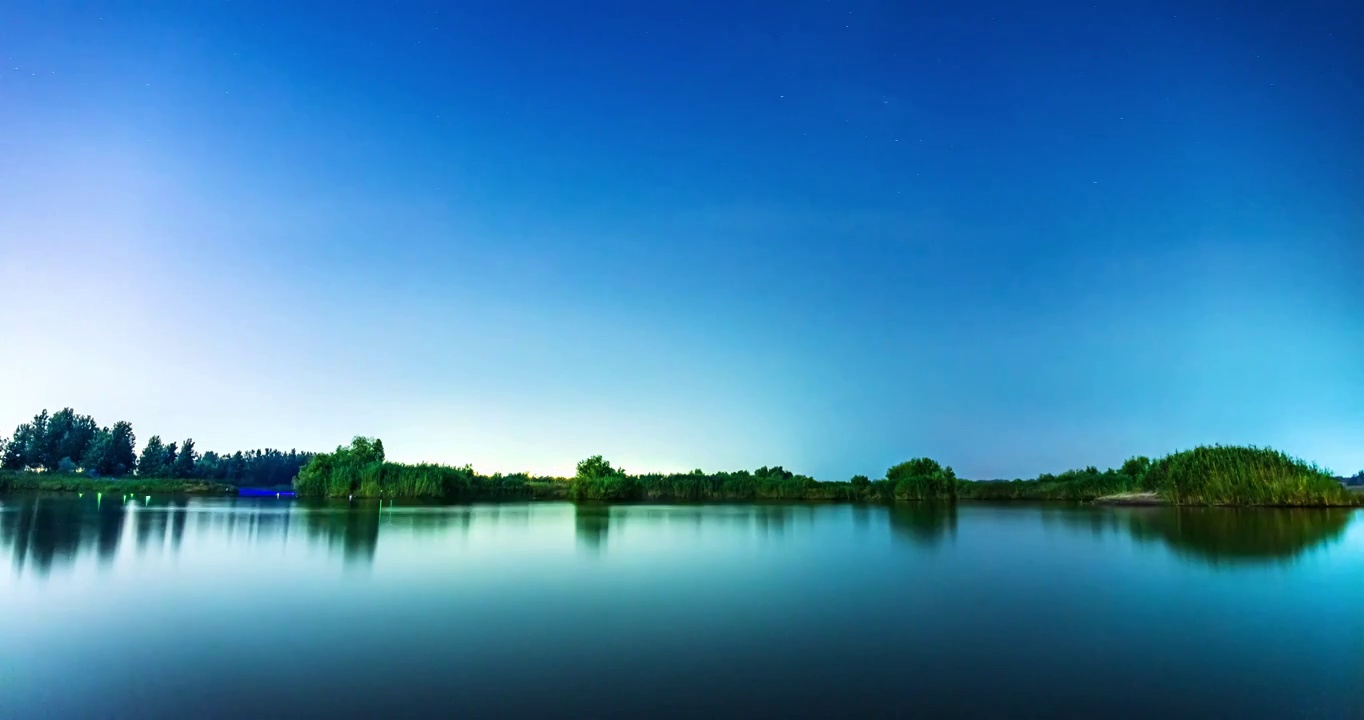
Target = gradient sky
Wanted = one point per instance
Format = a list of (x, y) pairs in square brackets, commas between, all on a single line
[(1016, 237)]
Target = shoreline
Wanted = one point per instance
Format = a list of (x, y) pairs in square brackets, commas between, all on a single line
[(19, 483)]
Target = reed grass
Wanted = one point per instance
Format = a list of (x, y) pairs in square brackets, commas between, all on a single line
[(1244, 476)]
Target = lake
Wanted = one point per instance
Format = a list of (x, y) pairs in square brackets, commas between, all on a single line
[(255, 607)]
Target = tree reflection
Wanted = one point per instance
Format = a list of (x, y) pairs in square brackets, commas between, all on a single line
[(1239, 535), (109, 520), (925, 524), (41, 532), (591, 523), (353, 527)]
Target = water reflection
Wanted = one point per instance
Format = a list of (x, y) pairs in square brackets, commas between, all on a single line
[(351, 527), (1237, 536), (1216, 536), (109, 520), (40, 533), (591, 524), (924, 524), (43, 533)]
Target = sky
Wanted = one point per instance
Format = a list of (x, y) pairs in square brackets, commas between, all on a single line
[(830, 235)]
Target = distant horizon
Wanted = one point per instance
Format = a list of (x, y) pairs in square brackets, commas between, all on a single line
[(1013, 237), (569, 471)]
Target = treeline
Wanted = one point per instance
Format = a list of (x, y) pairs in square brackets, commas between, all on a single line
[(67, 442), (1208, 475), (361, 470), (1217, 475), (918, 479)]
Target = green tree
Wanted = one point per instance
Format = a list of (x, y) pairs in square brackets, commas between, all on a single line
[(123, 442), (1136, 466), (152, 462), (923, 479), (111, 453), (597, 480), (184, 462), (27, 448), (68, 436), (98, 459), (168, 460)]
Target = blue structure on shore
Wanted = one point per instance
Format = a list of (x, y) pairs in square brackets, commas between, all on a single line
[(261, 492)]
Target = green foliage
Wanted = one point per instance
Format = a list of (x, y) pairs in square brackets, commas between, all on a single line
[(111, 454), (360, 470), (24, 447), (765, 483), (183, 466), (152, 462), (16, 481), (168, 461), (597, 480), (922, 479), (1072, 485), (1136, 466), (1228, 475), (262, 468), (48, 440), (1204, 476)]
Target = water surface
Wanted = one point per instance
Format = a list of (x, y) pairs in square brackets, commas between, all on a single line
[(272, 608)]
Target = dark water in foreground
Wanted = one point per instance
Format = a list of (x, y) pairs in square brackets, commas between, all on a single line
[(254, 608)]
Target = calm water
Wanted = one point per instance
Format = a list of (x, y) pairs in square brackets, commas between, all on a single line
[(251, 608)]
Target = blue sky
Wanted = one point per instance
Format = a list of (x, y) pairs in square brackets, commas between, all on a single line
[(1017, 237)]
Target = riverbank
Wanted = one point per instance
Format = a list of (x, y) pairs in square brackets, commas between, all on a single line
[(26, 482), (1132, 499)]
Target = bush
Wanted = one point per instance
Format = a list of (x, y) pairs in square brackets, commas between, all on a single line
[(922, 479), (1229, 475)]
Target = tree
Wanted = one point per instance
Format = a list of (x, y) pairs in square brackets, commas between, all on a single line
[(111, 453), (597, 480), (209, 467), (183, 467), (860, 482), (122, 444), (1136, 466), (26, 448), (153, 460), (363, 450), (923, 479), (168, 461), (98, 459), (67, 436)]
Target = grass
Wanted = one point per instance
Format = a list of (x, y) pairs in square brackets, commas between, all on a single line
[(12, 481), (1072, 486), (1244, 476)]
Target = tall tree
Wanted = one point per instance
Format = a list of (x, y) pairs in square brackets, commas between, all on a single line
[(123, 443), (183, 466), (26, 448), (98, 458), (168, 461), (153, 459), (68, 437), (111, 453)]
